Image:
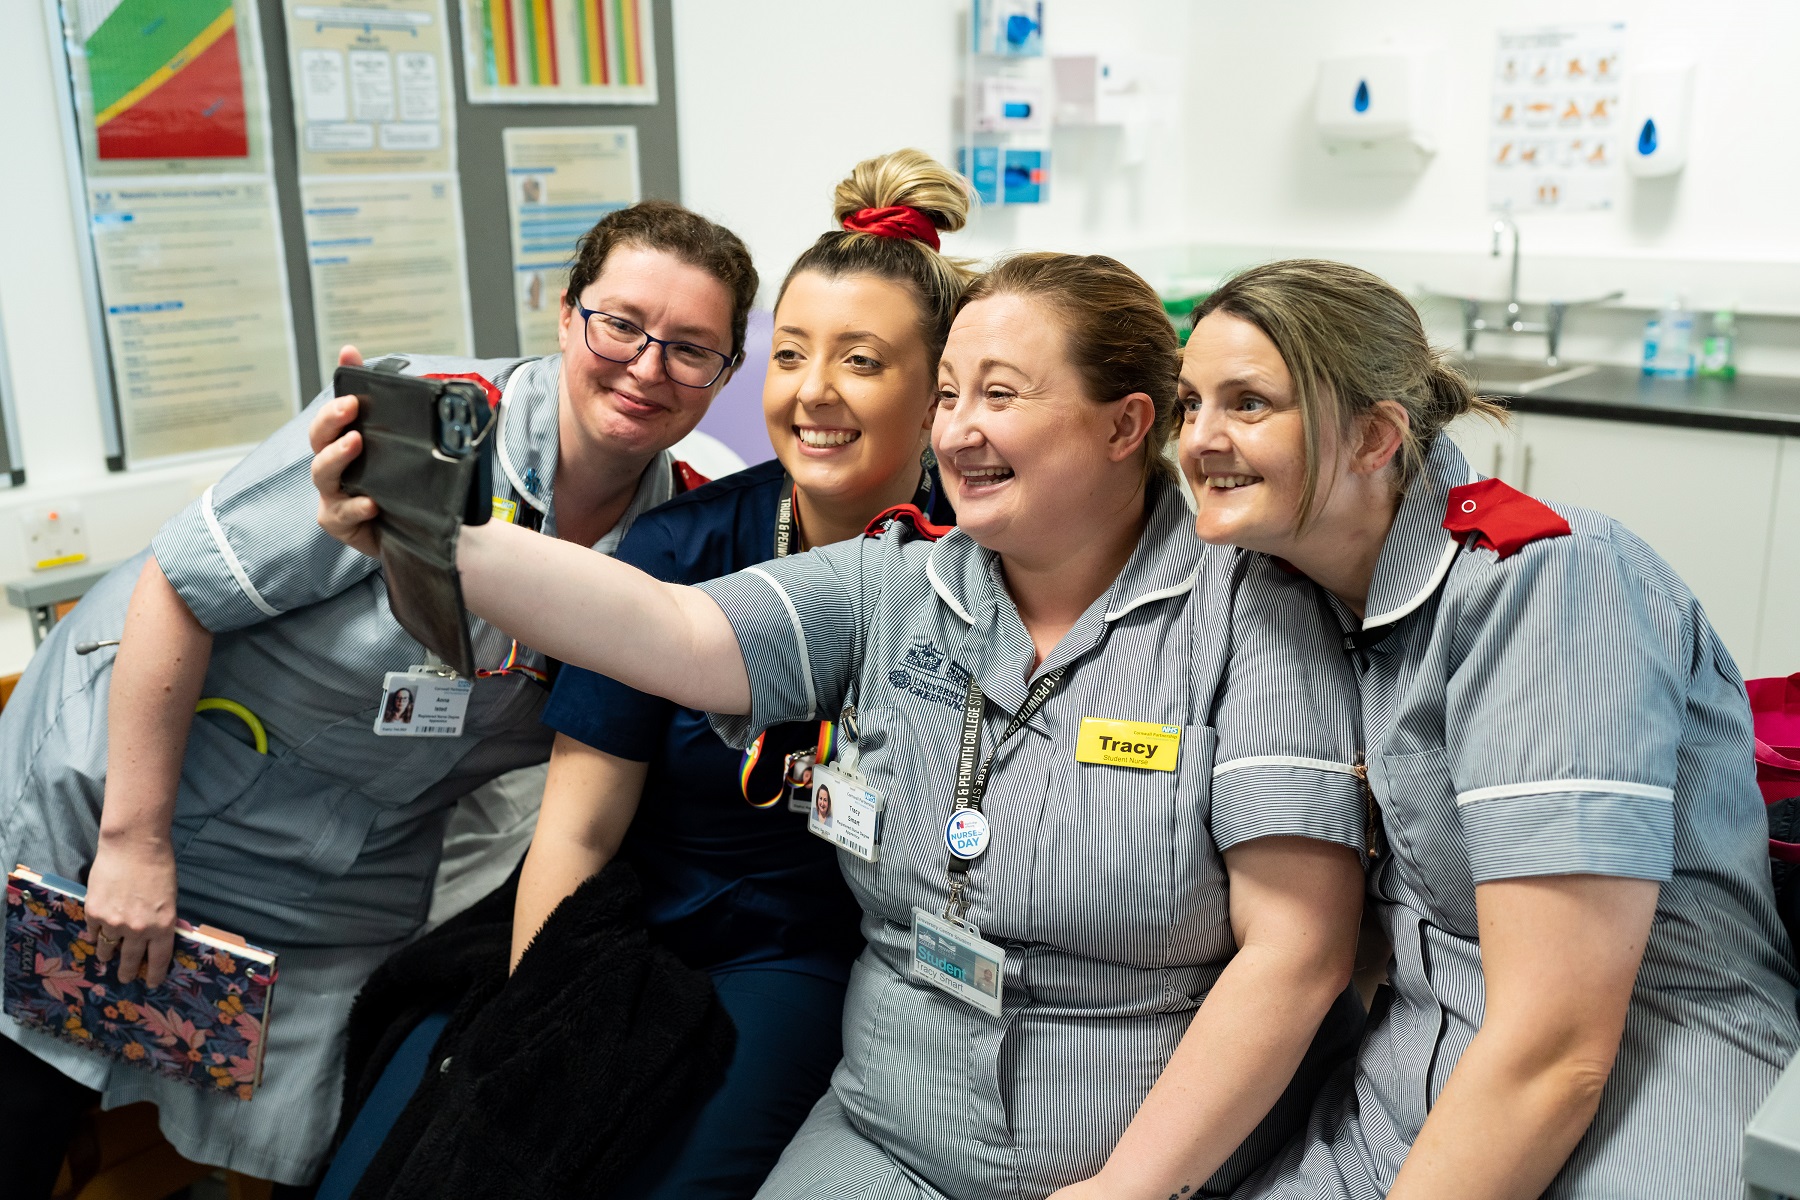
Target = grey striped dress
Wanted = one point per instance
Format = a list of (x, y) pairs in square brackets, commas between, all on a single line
[(323, 849), (1564, 710), (1104, 883)]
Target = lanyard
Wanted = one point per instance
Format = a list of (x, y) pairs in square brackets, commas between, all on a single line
[(788, 533), (972, 782)]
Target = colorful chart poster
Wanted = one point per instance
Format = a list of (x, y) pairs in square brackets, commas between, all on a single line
[(559, 51), (197, 312), (559, 182), (171, 116), (381, 202), (1554, 131), (388, 267)]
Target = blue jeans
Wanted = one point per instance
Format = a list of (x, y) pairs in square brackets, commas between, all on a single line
[(789, 1037)]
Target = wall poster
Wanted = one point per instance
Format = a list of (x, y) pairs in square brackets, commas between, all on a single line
[(171, 120), (559, 182), (559, 51), (1554, 133), (381, 202)]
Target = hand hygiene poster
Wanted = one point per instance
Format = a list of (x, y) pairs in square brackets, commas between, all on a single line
[(559, 51), (172, 119), (1554, 135), (559, 181), (381, 203)]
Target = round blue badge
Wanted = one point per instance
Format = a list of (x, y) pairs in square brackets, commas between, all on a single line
[(967, 833)]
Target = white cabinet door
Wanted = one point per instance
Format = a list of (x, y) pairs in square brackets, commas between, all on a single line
[(1491, 449), (1779, 651), (1703, 499)]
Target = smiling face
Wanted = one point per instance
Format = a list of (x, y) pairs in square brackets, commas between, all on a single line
[(633, 408), (849, 393), (1243, 441), (1028, 457)]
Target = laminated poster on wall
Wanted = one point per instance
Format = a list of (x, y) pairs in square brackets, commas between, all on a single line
[(1555, 128), (559, 181), (171, 119), (381, 201), (559, 51)]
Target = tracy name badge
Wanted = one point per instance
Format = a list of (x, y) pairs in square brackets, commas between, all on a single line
[(952, 957), (846, 812), (422, 702), (1138, 744)]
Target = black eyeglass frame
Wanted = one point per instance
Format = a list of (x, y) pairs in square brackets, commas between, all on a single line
[(726, 362)]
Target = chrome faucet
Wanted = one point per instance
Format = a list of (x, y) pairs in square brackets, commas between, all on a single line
[(1503, 224)]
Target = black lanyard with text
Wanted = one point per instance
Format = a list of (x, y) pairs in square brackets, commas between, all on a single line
[(971, 782), (788, 533)]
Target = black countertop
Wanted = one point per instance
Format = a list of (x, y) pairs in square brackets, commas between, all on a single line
[(1748, 404)]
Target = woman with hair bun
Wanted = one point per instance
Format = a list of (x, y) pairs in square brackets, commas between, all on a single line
[(1590, 991), (1112, 910)]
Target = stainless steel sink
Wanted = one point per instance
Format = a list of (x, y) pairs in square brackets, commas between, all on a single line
[(1520, 377)]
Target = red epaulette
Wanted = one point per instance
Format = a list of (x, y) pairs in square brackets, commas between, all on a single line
[(910, 514), (493, 393), (687, 479), (1502, 518)]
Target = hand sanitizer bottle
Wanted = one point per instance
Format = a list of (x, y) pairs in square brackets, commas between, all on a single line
[(1718, 357), (1669, 342)]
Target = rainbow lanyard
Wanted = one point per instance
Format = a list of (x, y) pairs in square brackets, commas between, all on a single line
[(752, 756), (512, 666)]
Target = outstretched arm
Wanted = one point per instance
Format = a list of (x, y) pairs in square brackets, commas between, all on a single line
[(1560, 954), (1295, 906), (560, 598)]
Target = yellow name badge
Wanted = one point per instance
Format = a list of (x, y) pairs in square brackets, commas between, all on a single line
[(1128, 744), (506, 510)]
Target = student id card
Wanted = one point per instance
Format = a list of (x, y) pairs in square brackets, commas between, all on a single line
[(845, 811), (952, 957), (422, 702)]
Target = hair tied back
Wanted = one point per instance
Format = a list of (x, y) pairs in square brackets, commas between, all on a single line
[(895, 221)]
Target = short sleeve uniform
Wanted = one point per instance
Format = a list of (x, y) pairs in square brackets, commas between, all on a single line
[(1565, 709), (323, 849), (1104, 884), (725, 884)]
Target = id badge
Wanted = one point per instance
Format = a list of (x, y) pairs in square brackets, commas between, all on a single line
[(952, 957), (799, 776), (421, 702), (845, 811)]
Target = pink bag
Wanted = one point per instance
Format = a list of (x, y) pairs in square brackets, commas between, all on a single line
[(1775, 712)]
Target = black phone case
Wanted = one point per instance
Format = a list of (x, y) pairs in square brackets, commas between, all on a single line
[(425, 497)]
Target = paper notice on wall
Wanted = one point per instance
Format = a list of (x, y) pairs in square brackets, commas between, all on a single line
[(559, 182), (197, 313), (171, 116), (372, 87), (559, 51), (1554, 132), (387, 264), (375, 127)]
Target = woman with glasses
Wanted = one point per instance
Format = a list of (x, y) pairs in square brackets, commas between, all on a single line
[(324, 847)]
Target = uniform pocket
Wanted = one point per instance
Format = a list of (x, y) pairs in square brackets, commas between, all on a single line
[(219, 767), (1419, 818)]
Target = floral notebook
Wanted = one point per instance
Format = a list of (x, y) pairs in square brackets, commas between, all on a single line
[(204, 1025)]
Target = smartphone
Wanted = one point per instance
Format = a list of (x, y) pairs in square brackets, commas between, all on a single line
[(406, 422)]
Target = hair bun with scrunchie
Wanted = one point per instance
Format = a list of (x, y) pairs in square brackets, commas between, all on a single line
[(895, 221)]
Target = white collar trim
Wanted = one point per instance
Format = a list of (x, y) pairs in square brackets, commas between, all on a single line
[(1185, 586), (1431, 585), (941, 588)]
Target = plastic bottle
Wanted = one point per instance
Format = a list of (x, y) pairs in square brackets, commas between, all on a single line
[(1669, 342), (1718, 357)]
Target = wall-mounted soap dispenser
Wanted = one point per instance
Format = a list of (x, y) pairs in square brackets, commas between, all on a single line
[(1382, 101), (1659, 125)]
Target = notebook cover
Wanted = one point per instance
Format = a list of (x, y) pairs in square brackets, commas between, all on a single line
[(203, 1026)]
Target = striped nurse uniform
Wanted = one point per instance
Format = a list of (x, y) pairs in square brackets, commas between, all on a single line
[(1103, 883), (1564, 709)]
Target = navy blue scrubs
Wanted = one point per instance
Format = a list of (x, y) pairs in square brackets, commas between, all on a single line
[(744, 893)]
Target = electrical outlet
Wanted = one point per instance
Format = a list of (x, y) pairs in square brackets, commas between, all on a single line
[(55, 536)]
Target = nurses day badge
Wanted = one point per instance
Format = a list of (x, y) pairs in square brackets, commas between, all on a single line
[(967, 833)]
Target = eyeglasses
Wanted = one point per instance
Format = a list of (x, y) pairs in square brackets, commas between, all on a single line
[(617, 340)]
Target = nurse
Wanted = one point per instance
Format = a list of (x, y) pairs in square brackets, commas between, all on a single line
[(731, 881), (1094, 790), (1590, 991), (325, 847)]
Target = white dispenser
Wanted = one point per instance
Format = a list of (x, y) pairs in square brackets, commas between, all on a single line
[(1658, 102), (1378, 101)]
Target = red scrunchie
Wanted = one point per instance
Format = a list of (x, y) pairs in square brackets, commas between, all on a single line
[(900, 221)]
